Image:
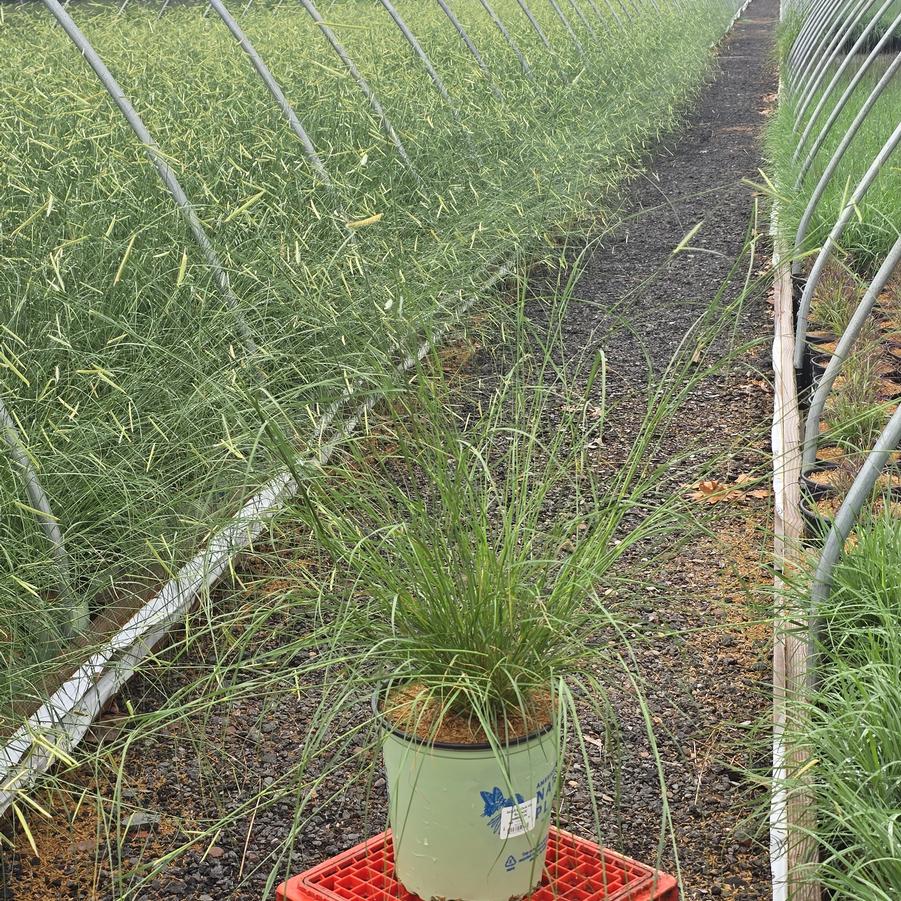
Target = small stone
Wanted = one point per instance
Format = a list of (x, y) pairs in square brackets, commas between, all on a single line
[(87, 844), (216, 852), (254, 734), (141, 819)]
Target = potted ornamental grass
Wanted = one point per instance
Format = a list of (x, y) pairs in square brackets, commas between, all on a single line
[(471, 549)]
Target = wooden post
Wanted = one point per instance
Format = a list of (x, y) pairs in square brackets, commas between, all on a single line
[(792, 813)]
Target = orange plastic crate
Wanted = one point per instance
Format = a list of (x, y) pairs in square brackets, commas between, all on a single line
[(576, 870)]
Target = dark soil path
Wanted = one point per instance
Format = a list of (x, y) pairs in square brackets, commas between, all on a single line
[(705, 669), (705, 666), (705, 688)]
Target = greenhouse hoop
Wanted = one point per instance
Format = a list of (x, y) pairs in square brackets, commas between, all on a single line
[(842, 351), (43, 513), (471, 47), (837, 230), (827, 93), (872, 56), (511, 43), (357, 76), (162, 167), (824, 57), (837, 155)]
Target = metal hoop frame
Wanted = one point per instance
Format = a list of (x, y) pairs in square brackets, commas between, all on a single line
[(355, 73), (837, 156), (827, 93), (471, 47), (829, 24), (162, 167), (842, 351), (843, 100), (829, 53), (79, 614), (834, 236)]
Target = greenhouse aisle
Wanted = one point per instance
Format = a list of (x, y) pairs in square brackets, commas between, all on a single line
[(706, 670)]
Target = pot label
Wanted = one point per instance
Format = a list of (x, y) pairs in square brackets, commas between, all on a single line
[(496, 802), (518, 819)]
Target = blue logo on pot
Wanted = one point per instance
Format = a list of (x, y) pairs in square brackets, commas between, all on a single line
[(495, 801)]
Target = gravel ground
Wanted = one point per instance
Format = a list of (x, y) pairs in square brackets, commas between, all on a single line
[(705, 669)]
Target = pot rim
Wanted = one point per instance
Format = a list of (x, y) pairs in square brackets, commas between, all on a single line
[(387, 726)]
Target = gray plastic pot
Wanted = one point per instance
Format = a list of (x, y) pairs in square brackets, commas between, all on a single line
[(469, 823)]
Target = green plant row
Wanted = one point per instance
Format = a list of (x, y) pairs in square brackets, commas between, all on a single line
[(851, 728), (475, 544), (119, 358), (871, 233), (845, 728)]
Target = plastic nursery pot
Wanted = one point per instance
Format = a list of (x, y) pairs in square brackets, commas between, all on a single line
[(798, 283), (818, 365), (467, 822), (803, 379), (829, 453), (889, 389), (813, 485), (816, 524), (819, 337)]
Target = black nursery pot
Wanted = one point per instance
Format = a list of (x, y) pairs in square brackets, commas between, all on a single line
[(816, 490), (816, 525), (818, 337), (804, 379), (798, 283), (818, 364)]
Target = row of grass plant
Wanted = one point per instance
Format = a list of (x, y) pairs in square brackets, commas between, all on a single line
[(875, 227), (122, 363), (866, 392), (474, 539), (849, 731), (842, 729)]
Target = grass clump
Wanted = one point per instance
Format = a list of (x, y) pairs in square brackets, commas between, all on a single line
[(851, 728), (122, 361), (474, 552), (871, 233)]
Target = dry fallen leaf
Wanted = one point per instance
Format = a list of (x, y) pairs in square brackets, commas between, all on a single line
[(711, 491)]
